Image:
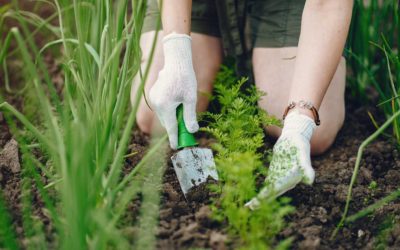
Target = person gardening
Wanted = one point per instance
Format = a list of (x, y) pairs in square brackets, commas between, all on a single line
[(296, 53)]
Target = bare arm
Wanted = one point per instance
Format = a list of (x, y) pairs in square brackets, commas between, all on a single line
[(176, 83), (176, 16), (325, 25), (324, 30)]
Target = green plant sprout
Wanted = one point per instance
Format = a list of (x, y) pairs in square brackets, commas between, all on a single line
[(238, 128), (372, 187)]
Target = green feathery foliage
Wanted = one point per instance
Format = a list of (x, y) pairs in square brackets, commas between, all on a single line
[(238, 128)]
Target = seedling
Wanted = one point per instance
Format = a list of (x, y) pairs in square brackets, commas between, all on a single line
[(238, 129)]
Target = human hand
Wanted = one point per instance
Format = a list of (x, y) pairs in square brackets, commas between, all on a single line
[(291, 163), (176, 84)]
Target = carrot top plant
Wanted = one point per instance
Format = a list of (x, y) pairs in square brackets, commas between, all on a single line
[(238, 128)]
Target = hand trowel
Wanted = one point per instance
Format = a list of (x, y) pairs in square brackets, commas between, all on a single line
[(193, 165)]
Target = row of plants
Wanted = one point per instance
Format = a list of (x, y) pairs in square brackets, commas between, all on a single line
[(73, 143), (241, 160), (373, 57)]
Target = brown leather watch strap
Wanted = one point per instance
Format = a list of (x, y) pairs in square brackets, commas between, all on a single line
[(304, 105)]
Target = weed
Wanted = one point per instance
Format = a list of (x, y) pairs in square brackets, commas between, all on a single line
[(373, 186)]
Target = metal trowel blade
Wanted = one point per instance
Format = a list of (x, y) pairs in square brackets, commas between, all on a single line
[(193, 166)]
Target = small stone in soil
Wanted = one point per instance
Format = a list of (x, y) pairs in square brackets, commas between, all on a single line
[(9, 157), (310, 243), (319, 213)]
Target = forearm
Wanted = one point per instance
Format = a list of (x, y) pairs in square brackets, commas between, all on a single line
[(325, 26), (176, 16)]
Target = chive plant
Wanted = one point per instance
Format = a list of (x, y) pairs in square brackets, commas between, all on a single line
[(370, 20), (373, 54), (83, 132)]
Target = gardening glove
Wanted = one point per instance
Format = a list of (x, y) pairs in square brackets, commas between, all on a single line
[(176, 84), (291, 162)]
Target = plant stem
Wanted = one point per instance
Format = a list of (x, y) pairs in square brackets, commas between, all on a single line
[(391, 197), (357, 166)]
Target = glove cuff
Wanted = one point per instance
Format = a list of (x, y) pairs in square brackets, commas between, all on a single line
[(175, 35), (178, 50), (299, 123)]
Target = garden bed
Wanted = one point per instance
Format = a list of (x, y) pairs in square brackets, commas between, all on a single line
[(318, 208)]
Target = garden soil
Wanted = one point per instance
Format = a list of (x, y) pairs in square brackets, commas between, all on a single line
[(318, 208), (185, 225)]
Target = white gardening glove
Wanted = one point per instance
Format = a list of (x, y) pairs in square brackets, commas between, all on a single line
[(176, 84), (291, 162)]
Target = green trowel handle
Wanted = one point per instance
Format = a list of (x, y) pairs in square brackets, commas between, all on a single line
[(185, 139)]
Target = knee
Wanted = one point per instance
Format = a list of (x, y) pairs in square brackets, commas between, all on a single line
[(144, 121), (320, 143), (323, 138)]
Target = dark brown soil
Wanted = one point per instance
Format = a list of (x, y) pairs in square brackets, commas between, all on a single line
[(318, 208)]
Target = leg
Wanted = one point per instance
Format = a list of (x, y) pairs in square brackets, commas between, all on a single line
[(207, 57), (273, 71)]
